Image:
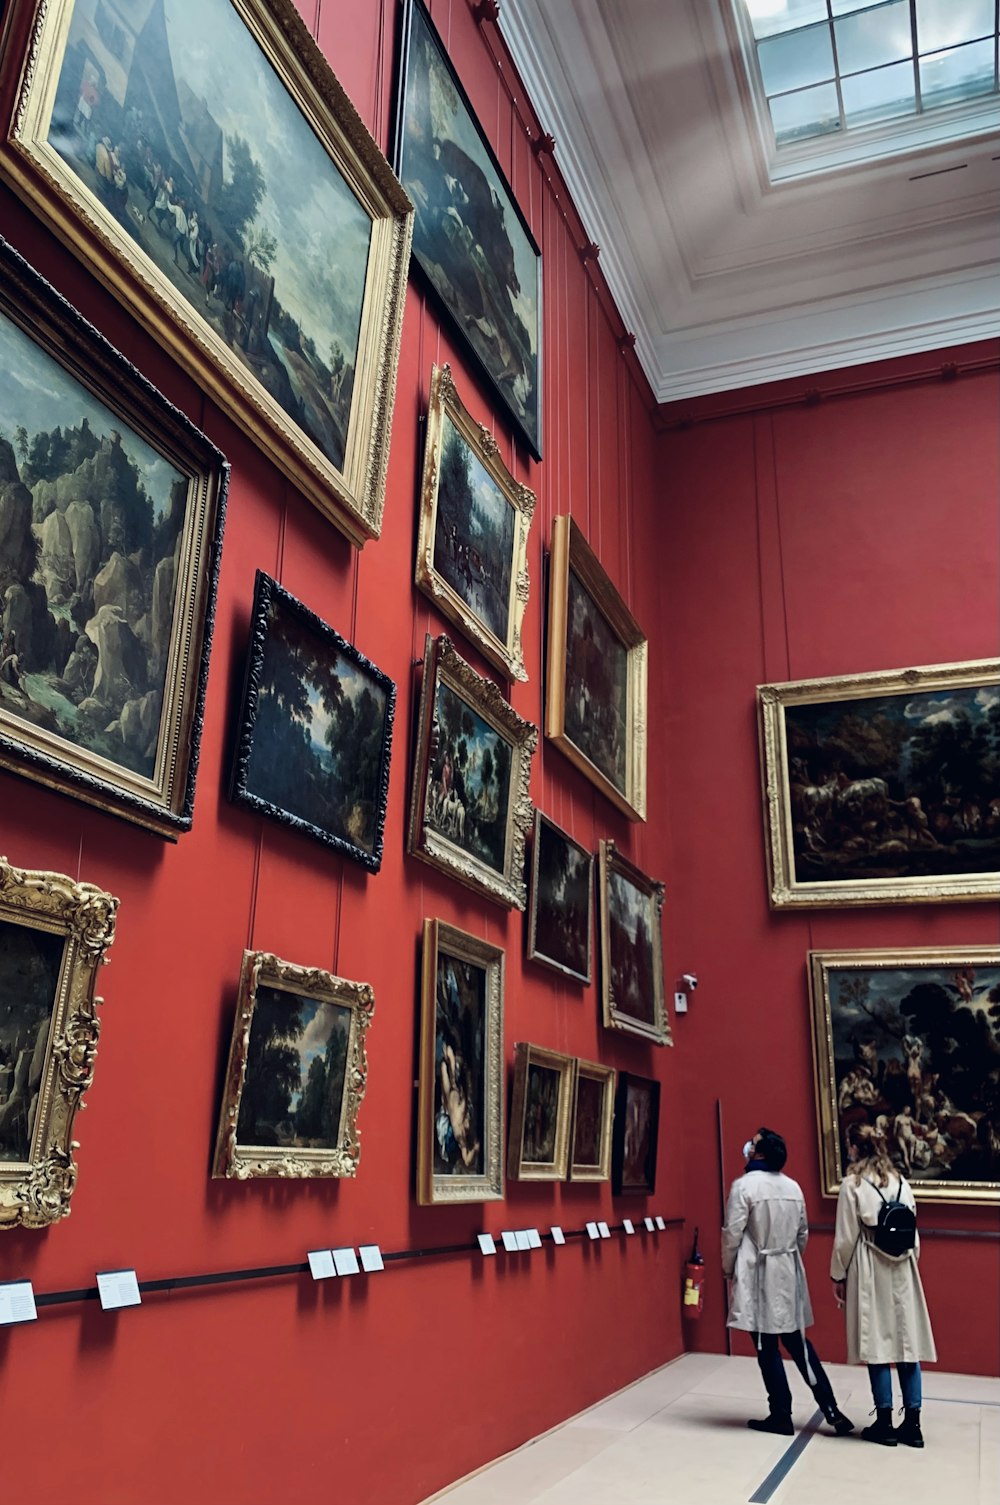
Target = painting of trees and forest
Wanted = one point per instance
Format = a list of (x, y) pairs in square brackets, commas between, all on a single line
[(917, 1054), (468, 782), (596, 715), (631, 965), (460, 1067), (30, 961), (171, 114), (561, 899), (91, 529), (319, 734), (293, 1090), (473, 533), (902, 785)]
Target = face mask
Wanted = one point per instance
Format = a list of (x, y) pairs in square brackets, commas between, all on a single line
[(748, 1149)]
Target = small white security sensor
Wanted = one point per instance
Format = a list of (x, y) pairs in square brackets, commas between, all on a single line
[(689, 980)]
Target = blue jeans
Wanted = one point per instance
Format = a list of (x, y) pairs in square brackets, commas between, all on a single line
[(880, 1376)]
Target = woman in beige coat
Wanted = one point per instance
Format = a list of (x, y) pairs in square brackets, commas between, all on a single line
[(887, 1321)]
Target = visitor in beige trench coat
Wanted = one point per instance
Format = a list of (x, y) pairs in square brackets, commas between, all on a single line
[(887, 1320)]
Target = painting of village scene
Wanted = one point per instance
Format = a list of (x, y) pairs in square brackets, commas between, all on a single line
[(293, 1089), (910, 1043), (637, 1129), (315, 741), (561, 912), (459, 1067), (474, 533), (469, 239), (596, 695), (468, 782), (30, 963), (172, 115)]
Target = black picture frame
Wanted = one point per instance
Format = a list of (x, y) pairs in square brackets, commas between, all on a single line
[(633, 1165), (258, 784), (476, 183), (556, 923)]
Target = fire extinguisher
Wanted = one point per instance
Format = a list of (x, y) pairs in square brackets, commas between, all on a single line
[(694, 1282)]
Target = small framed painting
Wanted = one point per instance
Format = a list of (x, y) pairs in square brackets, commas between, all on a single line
[(632, 992), (297, 1073), (316, 729), (593, 1117), (472, 551), (460, 1105), (541, 1107), (637, 1131), (560, 922)]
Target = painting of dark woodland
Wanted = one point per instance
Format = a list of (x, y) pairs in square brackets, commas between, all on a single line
[(459, 1067), (562, 901), (468, 782), (631, 961), (589, 1121), (596, 705), (541, 1115), (319, 733), (91, 529), (917, 1053), (171, 114), (896, 786), (639, 1130), (293, 1090), (467, 237), (29, 973), (473, 533)]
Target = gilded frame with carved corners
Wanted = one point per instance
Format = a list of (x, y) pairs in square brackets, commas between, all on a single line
[(597, 668), (271, 990), (323, 421), (458, 547), (462, 976), (467, 730), (904, 1040), (54, 933), (859, 805), (599, 1168), (632, 991), (524, 1162)]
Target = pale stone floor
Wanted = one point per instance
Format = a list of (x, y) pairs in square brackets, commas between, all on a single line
[(680, 1435)]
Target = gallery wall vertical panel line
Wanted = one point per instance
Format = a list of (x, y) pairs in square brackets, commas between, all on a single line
[(781, 542), (772, 591)]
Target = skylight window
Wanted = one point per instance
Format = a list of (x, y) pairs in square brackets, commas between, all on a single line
[(825, 67)]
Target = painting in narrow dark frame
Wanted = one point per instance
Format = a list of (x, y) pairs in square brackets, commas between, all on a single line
[(316, 730), (471, 241), (636, 1135), (560, 923)]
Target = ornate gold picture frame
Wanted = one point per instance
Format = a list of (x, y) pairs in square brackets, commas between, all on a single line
[(200, 157), (593, 1119), (470, 809), (54, 935), (881, 788), (908, 1041), (460, 1104), (595, 706), (472, 549), (540, 1112), (297, 1073), (632, 992)]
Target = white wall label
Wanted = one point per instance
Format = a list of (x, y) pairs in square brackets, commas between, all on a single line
[(628, 1225), (650, 1225), (558, 1237), (346, 1261), (17, 1303), (593, 1231), (534, 1239), (509, 1241), (604, 1230), (321, 1265), (660, 1224), (522, 1239), (487, 1243), (371, 1258), (118, 1288)]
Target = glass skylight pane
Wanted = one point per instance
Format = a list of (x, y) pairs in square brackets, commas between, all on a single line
[(795, 60), (809, 112), (947, 23), (878, 94), (844, 7), (959, 73), (874, 37), (768, 17)]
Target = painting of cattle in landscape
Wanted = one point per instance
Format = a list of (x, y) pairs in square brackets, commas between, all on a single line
[(470, 239), (560, 928), (315, 739), (631, 948), (909, 1042), (889, 794)]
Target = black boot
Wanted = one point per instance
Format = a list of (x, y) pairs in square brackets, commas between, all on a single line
[(910, 1433), (835, 1418), (777, 1421), (881, 1429)]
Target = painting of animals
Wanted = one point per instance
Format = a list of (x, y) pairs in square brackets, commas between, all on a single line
[(909, 1042)]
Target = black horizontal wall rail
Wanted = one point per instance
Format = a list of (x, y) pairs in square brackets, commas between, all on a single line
[(987, 1235)]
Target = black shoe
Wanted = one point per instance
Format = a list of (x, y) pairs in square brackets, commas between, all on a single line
[(781, 1424), (881, 1429), (909, 1433), (835, 1418)]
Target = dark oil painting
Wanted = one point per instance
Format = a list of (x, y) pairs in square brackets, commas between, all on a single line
[(896, 786), (541, 1115), (468, 782), (468, 237), (589, 1120), (30, 961), (473, 533), (91, 532), (561, 907), (637, 1126), (459, 1067), (917, 1054), (596, 708), (293, 1090), (632, 966), (171, 114)]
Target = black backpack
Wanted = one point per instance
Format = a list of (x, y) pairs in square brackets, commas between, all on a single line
[(896, 1229)]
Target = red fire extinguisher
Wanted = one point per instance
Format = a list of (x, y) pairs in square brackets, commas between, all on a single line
[(694, 1283)]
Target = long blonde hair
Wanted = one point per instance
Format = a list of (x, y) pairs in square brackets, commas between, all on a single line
[(873, 1154)]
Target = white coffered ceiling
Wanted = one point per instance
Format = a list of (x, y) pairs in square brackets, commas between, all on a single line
[(725, 278)]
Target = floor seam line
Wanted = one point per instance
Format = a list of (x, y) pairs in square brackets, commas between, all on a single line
[(787, 1461)]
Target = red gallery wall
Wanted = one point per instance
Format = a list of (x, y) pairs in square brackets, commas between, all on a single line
[(825, 526), (376, 1392)]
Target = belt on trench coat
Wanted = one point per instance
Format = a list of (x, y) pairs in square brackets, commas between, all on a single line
[(800, 1296)]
